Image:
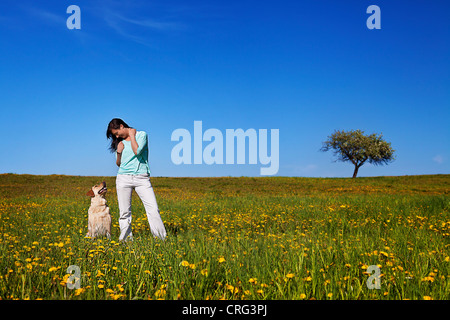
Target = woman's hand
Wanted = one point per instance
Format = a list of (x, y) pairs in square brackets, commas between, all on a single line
[(120, 147), (132, 132), (119, 150)]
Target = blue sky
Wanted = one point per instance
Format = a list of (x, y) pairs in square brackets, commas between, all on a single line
[(306, 68)]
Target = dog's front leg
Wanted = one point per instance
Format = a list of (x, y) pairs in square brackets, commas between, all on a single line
[(89, 233)]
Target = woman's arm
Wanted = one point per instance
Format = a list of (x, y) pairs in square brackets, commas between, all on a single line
[(134, 144), (119, 150)]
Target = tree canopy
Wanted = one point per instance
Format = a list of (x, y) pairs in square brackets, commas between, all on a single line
[(356, 147)]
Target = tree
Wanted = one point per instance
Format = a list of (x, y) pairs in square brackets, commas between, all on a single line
[(358, 148)]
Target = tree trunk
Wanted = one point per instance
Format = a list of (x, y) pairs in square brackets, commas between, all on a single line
[(355, 172)]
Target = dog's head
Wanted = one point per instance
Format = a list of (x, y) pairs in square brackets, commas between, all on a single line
[(98, 190)]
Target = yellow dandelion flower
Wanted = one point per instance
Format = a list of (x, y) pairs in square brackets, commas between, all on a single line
[(427, 298), (184, 263), (302, 296), (290, 275), (160, 293), (221, 259), (120, 288), (430, 279), (79, 291)]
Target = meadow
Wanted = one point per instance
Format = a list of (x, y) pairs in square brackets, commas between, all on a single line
[(231, 238)]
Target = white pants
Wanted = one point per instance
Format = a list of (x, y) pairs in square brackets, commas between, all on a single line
[(125, 184)]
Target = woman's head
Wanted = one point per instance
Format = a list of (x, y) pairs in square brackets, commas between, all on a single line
[(117, 131)]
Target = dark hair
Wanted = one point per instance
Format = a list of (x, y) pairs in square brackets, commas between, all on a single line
[(115, 124)]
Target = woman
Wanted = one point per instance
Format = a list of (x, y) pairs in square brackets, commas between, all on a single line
[(131, 157)]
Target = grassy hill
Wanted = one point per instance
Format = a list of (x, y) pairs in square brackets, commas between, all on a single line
[(231, 238)]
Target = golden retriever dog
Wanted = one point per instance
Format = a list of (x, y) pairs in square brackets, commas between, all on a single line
[(99, 219)]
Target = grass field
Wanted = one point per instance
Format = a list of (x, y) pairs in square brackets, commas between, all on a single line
[(231, 238)]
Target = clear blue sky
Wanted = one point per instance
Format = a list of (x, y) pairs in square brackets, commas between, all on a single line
[(303, 67)]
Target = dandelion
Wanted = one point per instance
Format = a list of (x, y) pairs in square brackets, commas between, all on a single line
[(252, 280), (231, 288), (302, 296), (384, 254), (427, 298), (184, 263), (221, 260), (120, 287), (79, 291), (430, 279), (161, 292), (64, 280), (204, 272), (290, 275)]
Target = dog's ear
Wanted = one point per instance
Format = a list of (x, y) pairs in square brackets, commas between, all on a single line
[(90, 193)]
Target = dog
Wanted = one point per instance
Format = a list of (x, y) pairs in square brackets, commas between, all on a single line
[(99, 218)]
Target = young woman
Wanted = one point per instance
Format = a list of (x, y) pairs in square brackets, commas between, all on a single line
[(131, 150)]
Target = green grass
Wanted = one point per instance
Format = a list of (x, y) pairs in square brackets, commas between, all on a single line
[(231, 238)]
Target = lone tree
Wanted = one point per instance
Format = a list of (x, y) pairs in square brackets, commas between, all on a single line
[(358, 148)]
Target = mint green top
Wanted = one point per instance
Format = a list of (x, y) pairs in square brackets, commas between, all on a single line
[(132, 163)]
